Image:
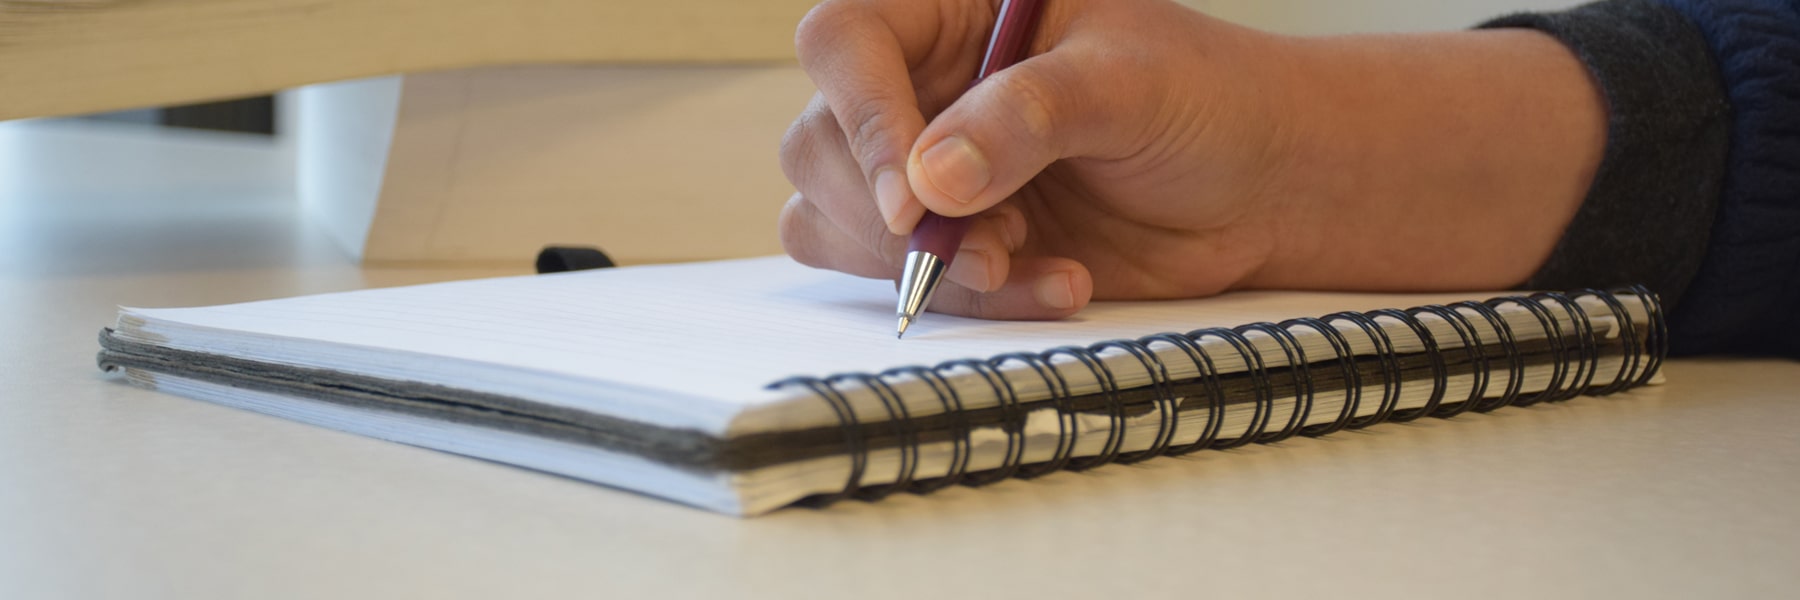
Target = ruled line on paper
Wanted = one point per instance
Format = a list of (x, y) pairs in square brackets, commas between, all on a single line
[(720, 330)]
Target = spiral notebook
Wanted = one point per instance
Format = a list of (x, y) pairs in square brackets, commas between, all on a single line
[(746, 386)]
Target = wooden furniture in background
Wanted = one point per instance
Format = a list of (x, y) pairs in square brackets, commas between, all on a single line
[(62, 57)]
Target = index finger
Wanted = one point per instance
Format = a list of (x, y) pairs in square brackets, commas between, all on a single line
[(860, 54)]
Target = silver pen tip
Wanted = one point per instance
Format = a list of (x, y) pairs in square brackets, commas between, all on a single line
[(904, 323)]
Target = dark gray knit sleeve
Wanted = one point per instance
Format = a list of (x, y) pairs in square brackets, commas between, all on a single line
[(1650, 211)]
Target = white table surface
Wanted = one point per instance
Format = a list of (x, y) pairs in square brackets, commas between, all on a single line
[(1680, 491)]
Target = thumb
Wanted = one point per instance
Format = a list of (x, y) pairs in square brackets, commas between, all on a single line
[(1002, 133)]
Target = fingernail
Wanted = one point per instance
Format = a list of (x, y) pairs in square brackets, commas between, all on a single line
[(956, 169), (891, 194), (1056, 290)]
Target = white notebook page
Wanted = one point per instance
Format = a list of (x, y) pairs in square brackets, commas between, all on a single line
[(720, 331)]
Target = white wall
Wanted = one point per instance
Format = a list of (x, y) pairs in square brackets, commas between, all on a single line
[(339, 134)]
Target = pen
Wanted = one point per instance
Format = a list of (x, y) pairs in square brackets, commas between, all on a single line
[(934, 242)]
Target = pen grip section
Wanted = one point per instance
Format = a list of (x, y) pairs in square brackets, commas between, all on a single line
[(939, 235)]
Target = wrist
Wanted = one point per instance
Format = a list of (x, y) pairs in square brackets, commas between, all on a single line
[(1430, 161)]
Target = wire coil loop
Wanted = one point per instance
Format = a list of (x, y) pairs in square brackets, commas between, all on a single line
[(1566, 345)]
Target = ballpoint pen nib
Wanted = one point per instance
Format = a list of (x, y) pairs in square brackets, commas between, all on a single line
[(921, 275)]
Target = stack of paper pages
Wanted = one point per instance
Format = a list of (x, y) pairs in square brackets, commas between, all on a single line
[(745, 386)]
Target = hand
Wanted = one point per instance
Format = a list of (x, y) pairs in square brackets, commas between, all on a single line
[(1147, 151), (1096, 165)]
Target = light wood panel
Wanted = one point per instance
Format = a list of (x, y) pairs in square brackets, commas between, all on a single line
[(73, 56), (654, 165)]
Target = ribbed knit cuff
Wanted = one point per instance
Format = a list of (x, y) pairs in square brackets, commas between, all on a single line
[(1648, 216), (1744, 299)]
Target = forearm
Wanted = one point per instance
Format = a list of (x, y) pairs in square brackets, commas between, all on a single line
[(1432, 161)]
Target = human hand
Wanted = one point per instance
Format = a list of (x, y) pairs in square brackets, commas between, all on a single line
[(1148, 151), (1097, 164)]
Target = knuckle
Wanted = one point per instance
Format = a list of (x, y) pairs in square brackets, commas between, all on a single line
[(978, 305), (794, 150), (1034, 97), (814, 35), (800, 149), (867, 128), (795, 229)]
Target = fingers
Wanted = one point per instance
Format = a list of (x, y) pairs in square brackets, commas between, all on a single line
[(983, 263), (832, 223), (856, 156), (986, 254), (852, 53), (1036, 288), (817, 159), (1006, 130), (813, 240), (1026, 287)]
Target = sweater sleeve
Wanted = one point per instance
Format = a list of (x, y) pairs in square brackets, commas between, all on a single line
[(1746, 297), (1696, 194)]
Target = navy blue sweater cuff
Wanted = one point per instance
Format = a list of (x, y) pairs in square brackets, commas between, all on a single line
[(1699, 192), (1746, 297), (1645, 219)]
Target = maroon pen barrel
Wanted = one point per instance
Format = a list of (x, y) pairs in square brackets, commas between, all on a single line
[(938, 235), (1012, 33), (941, 235)]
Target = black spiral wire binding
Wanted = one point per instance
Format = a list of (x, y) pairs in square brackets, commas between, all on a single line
[(1574, 356), (1656, 347), (1345, 356), (1390, 367), (901, 427), (1558, 367), (853, 437), (1012, 418), (1440, 372), (906, 433), (1628, 362), (960, 436), (1067, 433), (1164, 401), (1515, 361), (1115, 407), (1587, 358), (1208, 378), (1472, 346), (1264, 400), (1300, 373)]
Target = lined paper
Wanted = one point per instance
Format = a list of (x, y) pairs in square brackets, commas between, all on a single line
[(720, 331)]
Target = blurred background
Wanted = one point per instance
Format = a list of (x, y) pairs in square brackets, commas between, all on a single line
[(191, 134)]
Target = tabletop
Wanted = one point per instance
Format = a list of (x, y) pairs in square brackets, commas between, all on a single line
[(1680, 490)]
